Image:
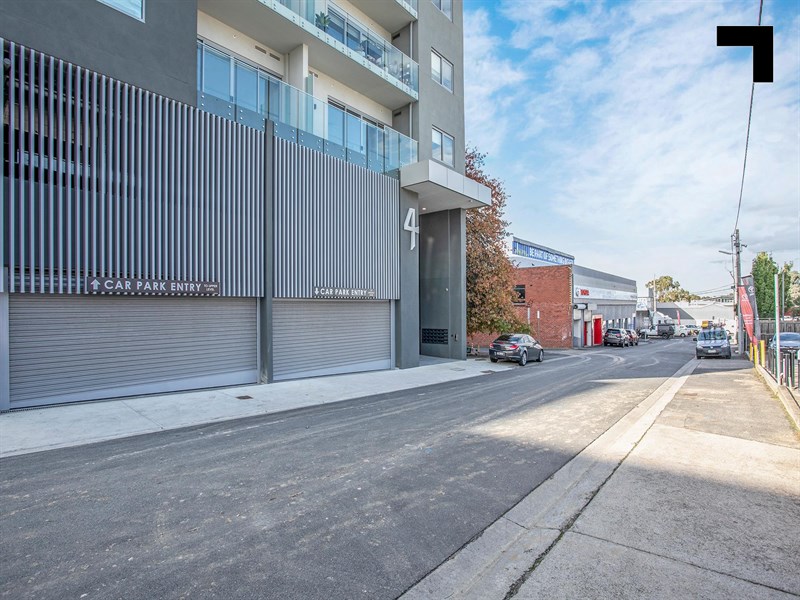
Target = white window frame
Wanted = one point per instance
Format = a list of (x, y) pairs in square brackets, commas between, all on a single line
[(440, 157), (438, 4), (442, 62), (117, 5)]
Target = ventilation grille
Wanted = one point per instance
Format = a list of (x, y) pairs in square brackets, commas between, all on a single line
[(434, 336)]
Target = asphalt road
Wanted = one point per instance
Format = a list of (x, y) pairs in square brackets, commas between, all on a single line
[(359, 499)]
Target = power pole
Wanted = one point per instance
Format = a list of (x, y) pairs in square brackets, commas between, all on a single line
[(737, 259)]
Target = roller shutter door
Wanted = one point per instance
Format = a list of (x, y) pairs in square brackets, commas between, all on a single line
[(72, 348), (325, 337)]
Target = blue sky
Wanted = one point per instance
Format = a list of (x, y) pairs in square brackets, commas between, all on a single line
[(619, 130)]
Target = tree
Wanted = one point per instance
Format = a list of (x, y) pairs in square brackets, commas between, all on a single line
[(490, 274), (669, 290), (764, 270)]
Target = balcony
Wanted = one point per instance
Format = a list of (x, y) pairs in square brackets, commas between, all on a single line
[(391, 14), (235, 90), (339, 45)]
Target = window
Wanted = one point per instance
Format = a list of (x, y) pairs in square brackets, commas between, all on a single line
[(354, 131), (520, 291), (229, 79), (446, 6), (134, 8), (443, 147), (441, 70)]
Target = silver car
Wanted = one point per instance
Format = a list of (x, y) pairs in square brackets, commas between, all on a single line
[(518, 347), (713, 342)]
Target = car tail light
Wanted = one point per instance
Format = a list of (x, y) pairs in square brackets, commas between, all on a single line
[(513, 346)]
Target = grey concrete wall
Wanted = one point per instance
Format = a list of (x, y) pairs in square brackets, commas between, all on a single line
[(158, 54), (458, 283), (443, 281), (407, 308), (437, 106)]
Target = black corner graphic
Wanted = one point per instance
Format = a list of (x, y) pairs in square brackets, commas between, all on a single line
[(760, 38)]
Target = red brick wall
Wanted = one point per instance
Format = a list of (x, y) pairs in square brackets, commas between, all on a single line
[(548, 290)]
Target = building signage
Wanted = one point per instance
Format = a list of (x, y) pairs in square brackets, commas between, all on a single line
[(583, 292), (537, 253), (121, 285), (338, 293), (410, 225)]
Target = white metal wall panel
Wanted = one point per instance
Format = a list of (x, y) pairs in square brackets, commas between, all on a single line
[(325, 337), (71, 348), (336, 225), (106, 179)]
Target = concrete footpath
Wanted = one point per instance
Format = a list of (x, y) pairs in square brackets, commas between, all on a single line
[(694, 494), (33, 430)]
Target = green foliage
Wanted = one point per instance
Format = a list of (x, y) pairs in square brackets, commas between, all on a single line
[(764, 270), (490, 274), (669, 290), (322, 20)]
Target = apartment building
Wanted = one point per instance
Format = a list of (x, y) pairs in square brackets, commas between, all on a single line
[(202, 193)]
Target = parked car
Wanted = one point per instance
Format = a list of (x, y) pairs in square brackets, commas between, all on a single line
[(633, 337), (518, 347), (685, 330), (662, 330), (789, 341), (713, 342), (616, 337)]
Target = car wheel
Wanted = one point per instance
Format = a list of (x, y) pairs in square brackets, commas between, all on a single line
[(683, 335), (541, 356), (493, 359), (523, 360), (605, 343)]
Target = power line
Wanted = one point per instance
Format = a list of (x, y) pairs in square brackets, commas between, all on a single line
[(747, 141)]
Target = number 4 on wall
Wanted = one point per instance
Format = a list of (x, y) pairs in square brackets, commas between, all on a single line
[(410, 225)]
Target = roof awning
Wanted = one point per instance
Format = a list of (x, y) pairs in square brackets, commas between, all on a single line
[(440, 188)]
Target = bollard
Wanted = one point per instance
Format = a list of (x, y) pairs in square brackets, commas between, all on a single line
[(754, 354), (762, 348)]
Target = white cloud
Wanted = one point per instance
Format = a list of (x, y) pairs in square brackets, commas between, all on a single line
[(633, 132), (489, 84)]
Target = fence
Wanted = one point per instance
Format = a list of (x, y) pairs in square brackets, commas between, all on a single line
[(790, 367)]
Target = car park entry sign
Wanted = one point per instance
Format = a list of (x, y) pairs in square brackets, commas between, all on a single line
[(163, 287), (336, 293)]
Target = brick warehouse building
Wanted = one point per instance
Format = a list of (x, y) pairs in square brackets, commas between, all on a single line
[(565, 305)]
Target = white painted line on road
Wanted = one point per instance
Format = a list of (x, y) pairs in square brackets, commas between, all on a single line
[(488, 567)]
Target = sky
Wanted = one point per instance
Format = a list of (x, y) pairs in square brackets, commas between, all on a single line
[(619, 131)]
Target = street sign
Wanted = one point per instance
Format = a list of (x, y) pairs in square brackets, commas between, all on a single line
[(164, 287), (336, 293)]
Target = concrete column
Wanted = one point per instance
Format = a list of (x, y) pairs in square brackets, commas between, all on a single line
[(407, 308), (5, 391), (297, 70), (265, 302)]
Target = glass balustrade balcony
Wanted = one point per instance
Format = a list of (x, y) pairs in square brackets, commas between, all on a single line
[(352, 35), (235, 90)]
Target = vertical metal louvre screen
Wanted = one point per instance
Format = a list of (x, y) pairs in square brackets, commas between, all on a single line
[(335, 224), (101, 178)]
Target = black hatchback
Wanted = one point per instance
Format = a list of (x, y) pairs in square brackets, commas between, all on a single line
[(518, 347)]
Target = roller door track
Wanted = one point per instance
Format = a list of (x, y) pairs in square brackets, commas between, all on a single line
[(326, 337), (73, 348)]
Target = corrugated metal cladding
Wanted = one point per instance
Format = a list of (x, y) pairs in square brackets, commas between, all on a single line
[(106, 179), (69, 348), (336, 225), (324, 337)]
